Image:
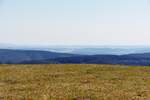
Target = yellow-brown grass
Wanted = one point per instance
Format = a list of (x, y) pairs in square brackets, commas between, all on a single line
[(74, 82)]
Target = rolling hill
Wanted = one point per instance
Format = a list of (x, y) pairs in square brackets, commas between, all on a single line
[(17, 56), (131, 59), (8, 56)]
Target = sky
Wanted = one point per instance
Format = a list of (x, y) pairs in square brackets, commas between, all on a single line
[(75, 22)]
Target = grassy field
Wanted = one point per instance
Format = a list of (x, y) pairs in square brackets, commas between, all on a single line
[(74, 82)]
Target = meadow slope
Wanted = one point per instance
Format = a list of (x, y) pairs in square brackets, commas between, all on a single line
[(74, 82)]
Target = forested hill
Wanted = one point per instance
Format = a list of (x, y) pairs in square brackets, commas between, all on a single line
[(18, 56)]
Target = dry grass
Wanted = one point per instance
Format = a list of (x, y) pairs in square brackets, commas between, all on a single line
[(74, 82)]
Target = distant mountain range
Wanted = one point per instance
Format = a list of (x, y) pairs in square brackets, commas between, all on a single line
[(82, 50), (9, 56)]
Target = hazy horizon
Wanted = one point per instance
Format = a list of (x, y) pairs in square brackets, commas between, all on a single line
[(3, 45), (79, 22)]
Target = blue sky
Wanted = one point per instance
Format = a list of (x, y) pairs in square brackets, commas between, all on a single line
[(75, 22)]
